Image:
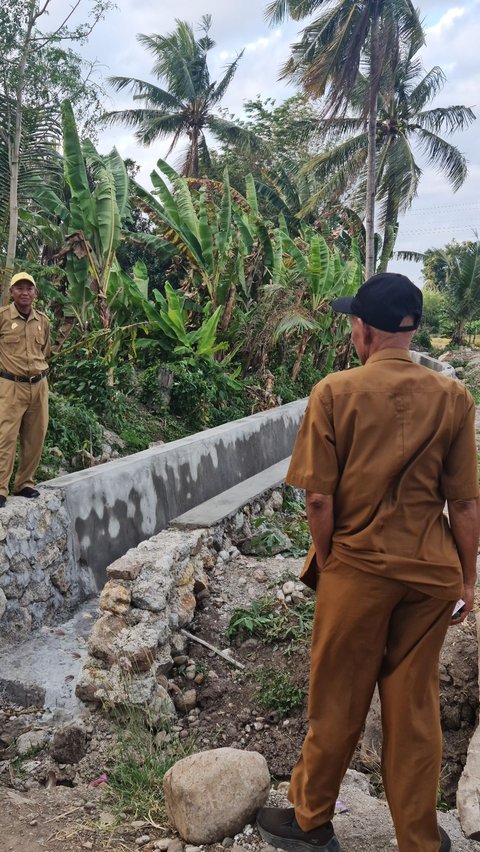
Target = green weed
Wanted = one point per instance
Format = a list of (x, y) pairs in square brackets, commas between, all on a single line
[(273, 621), (276, 691), (135, 777)]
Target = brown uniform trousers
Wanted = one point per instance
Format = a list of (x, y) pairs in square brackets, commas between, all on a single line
[(24, 412), (24, 348), (367, 630)]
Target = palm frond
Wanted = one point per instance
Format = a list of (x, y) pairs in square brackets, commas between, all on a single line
[(450, 118), (447, 158)]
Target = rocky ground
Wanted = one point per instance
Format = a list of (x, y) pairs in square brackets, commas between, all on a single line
[(47, 801)]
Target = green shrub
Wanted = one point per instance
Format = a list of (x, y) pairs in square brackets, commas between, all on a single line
[(82, 377), (422, 341), (202, 395), (72, 429), (277, 691)]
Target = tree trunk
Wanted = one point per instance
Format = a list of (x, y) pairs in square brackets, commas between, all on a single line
[(14, 155), (228, 311), (372, 147), (458, 336), (389, 239), (300, 353)]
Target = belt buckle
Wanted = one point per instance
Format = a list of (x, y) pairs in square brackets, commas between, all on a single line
[(30, 379)]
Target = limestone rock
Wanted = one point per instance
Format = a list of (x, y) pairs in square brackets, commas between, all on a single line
[(3, 602), (101, 642), (69, 743), (115, 598), (151, 589), (127, 567), (468, 791), (138, 644), (31, 741), (214, 794), (114, 687)]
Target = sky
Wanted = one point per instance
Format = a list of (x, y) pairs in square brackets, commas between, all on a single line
[(453, 38)]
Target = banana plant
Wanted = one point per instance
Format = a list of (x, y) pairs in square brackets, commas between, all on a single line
[(315, 274), (91, 214), (225, 244), (168, 327)]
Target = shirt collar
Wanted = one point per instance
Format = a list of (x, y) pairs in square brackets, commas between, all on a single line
[(16, 313), (390, 355)]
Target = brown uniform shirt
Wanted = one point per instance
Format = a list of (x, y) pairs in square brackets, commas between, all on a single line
[(24, 344), (391, 441)]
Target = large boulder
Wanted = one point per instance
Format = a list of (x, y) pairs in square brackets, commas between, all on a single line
[(214, 794)]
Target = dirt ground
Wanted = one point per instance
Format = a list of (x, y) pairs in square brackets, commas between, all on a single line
[(228, 711)]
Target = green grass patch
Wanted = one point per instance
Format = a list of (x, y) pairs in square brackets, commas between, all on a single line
[(276, 691), (138, 766)]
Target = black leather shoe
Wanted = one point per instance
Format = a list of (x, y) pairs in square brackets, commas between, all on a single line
[(279, 828), (3, 500), (446, 843), (27, 492)]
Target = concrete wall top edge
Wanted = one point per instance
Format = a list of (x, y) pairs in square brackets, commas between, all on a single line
[(225, 430)]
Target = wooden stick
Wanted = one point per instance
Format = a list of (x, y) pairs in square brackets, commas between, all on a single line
[(67, 813), (220, 653)]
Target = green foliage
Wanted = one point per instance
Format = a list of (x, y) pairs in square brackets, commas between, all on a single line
[(277, 692), (433, 310), (422, 340), (202, 394), (286, 532), (269, 620), (82, 376), (74, 430)]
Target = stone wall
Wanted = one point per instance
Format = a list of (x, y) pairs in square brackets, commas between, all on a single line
[(39, 578), (149, 597)]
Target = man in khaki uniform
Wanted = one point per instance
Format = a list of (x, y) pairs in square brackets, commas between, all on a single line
[(24, 348), (380, 450)]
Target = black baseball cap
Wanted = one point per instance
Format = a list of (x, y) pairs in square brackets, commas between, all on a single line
[(384, 301)]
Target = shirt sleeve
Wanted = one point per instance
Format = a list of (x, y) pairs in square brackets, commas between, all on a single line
[(460, 475), (46, 346), (314, 463)]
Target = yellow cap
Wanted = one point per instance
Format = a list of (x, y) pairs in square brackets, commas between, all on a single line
[(22, 276)]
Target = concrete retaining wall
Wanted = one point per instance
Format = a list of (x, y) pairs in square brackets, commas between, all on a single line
[(115, 506), (433, 363)]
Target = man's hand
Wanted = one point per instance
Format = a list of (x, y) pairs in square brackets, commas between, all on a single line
[(468, 596), (464, 523)]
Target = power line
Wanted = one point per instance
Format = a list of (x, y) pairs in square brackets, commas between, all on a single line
[(437, 229), (459, 206)]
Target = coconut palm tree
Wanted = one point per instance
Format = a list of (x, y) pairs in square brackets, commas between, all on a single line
[(463, 288), (184, 107), (404, 128), (328, 56)]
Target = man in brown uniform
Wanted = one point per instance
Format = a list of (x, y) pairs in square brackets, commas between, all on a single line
[(24, 347), (380, 450)]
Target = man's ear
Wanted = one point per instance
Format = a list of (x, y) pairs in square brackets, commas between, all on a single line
[(367, 333)]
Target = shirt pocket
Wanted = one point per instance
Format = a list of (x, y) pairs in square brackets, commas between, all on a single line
[(10, 339), (39, 339)]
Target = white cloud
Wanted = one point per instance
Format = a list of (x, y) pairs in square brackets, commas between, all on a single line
[(446, 22), (262, 43)]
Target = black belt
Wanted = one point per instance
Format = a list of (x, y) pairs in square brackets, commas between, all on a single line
[(31, 380)]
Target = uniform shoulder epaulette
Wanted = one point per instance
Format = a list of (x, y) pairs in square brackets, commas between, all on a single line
[(4, 308)]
